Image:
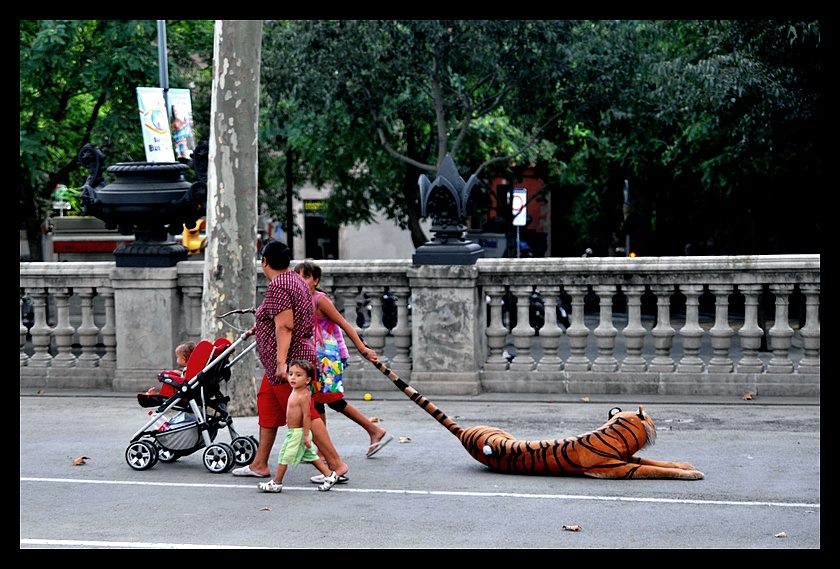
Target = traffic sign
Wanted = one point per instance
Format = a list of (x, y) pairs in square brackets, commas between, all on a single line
[(517, 202)]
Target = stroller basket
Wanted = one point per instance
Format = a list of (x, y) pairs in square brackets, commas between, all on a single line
[(181, 435)]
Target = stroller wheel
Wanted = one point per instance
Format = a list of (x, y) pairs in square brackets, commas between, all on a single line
[(244, 449), (141, 455), (218, 458)]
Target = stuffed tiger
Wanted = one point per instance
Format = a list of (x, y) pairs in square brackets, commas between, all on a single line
[(606, 452)]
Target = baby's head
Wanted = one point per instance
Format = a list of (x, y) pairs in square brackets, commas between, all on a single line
[(183, 352)]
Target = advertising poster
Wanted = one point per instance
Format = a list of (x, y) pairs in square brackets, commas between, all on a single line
[(154, 121), (183, 135)]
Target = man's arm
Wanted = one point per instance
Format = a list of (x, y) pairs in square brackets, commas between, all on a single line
[(284, 322)]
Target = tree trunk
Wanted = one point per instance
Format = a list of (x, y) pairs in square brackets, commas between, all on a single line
[(230, 254)]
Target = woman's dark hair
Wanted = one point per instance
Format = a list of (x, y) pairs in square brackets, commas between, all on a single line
[(277, 255), (311, 269)]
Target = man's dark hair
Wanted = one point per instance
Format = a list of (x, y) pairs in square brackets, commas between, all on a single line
[(277, 255)]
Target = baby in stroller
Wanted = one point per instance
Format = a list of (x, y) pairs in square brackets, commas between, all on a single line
[(191, 409), (182, 356)]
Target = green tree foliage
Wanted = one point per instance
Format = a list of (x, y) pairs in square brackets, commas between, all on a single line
[(369, 105), (714, 125), (77, 85)]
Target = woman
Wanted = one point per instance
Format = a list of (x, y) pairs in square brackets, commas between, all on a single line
[(328, 317)]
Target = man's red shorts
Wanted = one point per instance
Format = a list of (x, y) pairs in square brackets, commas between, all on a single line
[(272, 401)]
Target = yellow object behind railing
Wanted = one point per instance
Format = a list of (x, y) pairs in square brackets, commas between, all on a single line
[(194, 238)]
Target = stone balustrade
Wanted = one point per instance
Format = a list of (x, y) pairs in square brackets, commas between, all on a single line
[(659, 325)]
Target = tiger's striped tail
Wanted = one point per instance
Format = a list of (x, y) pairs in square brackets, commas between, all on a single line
[(421, 401)]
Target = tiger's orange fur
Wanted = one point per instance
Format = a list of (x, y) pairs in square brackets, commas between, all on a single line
[(606, 452)]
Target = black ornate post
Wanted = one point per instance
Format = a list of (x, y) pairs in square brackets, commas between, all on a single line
[(150, 200), (445, 200)]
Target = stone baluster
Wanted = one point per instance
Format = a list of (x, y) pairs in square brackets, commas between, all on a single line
[(401, 364), (346, 297), (691, 333), (376, 333), (634, 333), (606, 332), (750, 333), (87, 330), (577, 333), (781, 333), (63, 331), (550, 333), (663, 333), (41, 331), (193, 312), (109, 328), (24, 357), (810, 333), (721, 332), (495, 331), (523, 334)]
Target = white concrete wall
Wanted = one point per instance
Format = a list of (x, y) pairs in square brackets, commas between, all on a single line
[(383, 239)]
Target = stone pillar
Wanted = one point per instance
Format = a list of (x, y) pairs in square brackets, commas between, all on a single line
[(605, 333), (750, 333), (810, 333), (663, 333), (634, 332), (146, 313), (448, 341), (691, 333), (495, 331)]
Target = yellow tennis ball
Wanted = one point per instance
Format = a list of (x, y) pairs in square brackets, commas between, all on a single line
[(368, 396)]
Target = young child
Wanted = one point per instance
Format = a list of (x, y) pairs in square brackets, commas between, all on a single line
[(297, 447), (182, 356)]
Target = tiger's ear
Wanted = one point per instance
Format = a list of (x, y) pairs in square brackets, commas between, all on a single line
[(641, 412), (614, 411)]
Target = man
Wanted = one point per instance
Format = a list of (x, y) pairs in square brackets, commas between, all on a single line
[(284, 328)]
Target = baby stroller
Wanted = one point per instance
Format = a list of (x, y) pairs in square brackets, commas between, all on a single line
[(191, 409)]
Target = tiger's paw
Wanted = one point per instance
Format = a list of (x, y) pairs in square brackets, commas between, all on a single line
[(692, 474), (684, 466)]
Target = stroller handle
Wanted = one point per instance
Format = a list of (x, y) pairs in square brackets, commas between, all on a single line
[(238, 311)]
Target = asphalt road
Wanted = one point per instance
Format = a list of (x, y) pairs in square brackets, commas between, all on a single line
[(761, 460)]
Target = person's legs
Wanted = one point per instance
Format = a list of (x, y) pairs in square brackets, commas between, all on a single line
[(348, 410), (322, 409), (271, 408), (260, 462), (376, 433), (322, 440)]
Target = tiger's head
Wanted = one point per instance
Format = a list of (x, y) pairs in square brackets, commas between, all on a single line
[(636, 419)]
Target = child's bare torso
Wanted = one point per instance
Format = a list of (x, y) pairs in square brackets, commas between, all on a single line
[(298, 401)]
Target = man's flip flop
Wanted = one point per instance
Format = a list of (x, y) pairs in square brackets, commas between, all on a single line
[(246, 471), (376, 447), (319, 479)]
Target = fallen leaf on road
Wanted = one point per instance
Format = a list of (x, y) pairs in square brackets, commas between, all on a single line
[(585, 399), (748, 396), (572, 528), (375, 420), (781, 534), (266, 509), (81, 460), (40, 392), (405, 439)]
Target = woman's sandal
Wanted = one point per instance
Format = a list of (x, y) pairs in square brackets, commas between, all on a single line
[(270, 486)]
